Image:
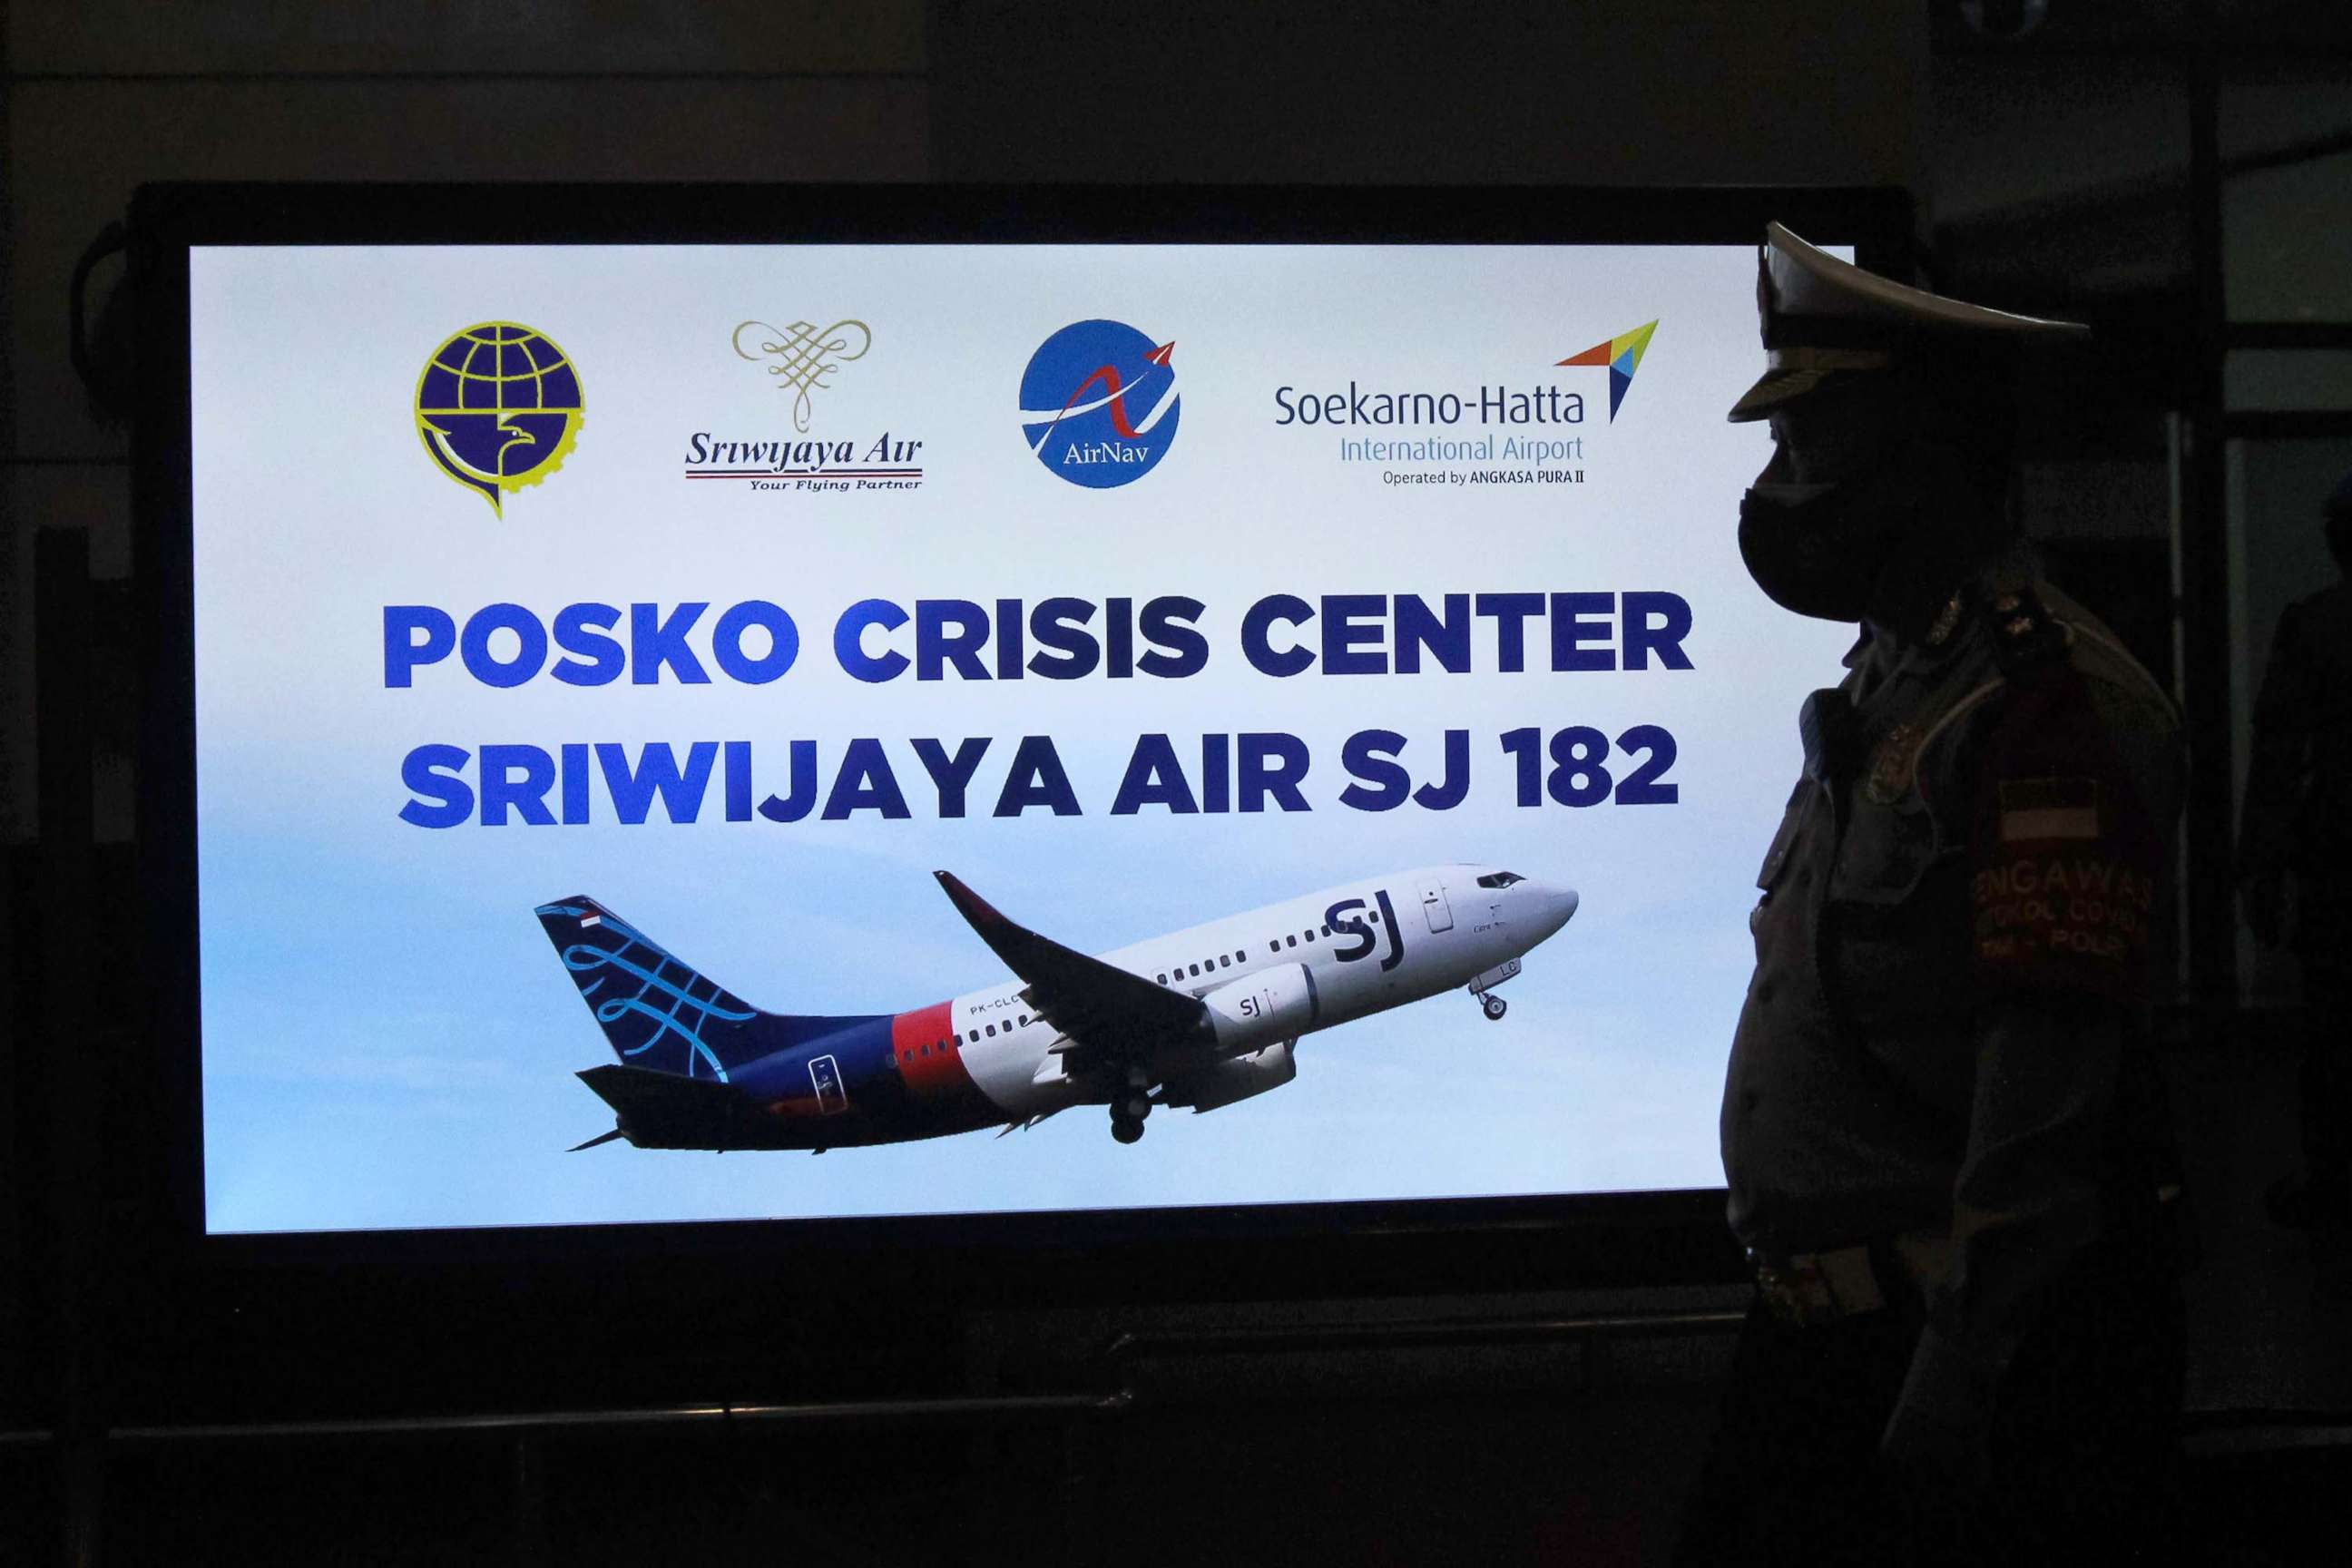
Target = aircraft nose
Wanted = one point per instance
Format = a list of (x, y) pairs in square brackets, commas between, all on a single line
[(1552, 906)]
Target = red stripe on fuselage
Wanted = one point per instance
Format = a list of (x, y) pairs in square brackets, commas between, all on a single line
[(925, 1044)]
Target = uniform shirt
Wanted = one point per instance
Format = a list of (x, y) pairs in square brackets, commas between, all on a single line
[(1953, 947)]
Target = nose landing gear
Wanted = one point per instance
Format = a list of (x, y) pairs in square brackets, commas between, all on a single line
[(1483, 988)]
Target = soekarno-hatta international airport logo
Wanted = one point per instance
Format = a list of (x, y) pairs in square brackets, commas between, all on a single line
[(1098, 403), (1622, 355), (498, 408)]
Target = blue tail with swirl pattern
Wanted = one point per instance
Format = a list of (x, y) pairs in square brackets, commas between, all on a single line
[(658, 1011)]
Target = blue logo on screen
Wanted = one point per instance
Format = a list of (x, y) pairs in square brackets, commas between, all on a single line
[(1098, 403), (498, 408)]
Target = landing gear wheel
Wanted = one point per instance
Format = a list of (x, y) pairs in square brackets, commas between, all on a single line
[(1131, 1105), (1495, 1007)]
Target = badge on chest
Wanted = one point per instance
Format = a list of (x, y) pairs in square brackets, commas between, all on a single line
[(1894, 763)]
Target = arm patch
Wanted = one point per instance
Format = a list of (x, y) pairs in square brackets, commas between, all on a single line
[(2065, 860)]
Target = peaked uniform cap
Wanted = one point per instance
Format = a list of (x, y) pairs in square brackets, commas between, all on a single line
[(1821, 316)]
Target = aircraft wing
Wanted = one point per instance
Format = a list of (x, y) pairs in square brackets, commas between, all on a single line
[(1099, 1007)]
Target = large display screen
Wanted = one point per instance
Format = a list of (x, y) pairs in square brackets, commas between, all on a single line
[(858, 729)]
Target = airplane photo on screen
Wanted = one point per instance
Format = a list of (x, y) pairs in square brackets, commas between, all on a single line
[(1200, 1018)]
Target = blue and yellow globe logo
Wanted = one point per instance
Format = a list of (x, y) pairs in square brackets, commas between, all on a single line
[(498, 408)]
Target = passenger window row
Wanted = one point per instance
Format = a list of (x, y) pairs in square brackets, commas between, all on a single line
[(1222, 961), (1194, 972), (974, 1036), (1212, 965)]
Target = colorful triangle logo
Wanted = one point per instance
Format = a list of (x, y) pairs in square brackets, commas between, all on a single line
[(1622, 355)]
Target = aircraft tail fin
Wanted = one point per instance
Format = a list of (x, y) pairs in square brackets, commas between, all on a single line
[(658, 1011)]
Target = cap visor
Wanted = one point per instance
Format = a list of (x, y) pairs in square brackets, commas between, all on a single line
[(1772, 389)]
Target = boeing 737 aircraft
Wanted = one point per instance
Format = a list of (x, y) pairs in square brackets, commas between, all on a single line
[(1202, 1018)]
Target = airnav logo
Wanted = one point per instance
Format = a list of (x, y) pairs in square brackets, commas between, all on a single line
[(803, 359), (1622, 355), (1098, 403), (498, 408)]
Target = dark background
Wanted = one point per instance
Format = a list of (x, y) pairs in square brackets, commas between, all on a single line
[(2179, 172)]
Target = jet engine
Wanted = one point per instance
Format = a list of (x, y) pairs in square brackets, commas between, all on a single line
[(1238, 1078), (1277, 1004)]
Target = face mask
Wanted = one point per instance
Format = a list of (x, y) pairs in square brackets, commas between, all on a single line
[(1810, 548)]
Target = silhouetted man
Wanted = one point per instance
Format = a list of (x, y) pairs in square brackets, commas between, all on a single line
[(2295, 851), (1964, 1341)]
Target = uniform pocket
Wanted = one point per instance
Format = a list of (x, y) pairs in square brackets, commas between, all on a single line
[(1886, 851)]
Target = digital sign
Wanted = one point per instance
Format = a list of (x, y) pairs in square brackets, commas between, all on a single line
[(716, 731)]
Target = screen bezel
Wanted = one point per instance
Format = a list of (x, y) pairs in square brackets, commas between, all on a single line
[(1277, 1249)]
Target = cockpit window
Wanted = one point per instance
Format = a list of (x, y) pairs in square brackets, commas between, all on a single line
[(1500, 878)]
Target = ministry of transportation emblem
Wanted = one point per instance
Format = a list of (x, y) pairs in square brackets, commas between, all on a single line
[(498, 408)]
